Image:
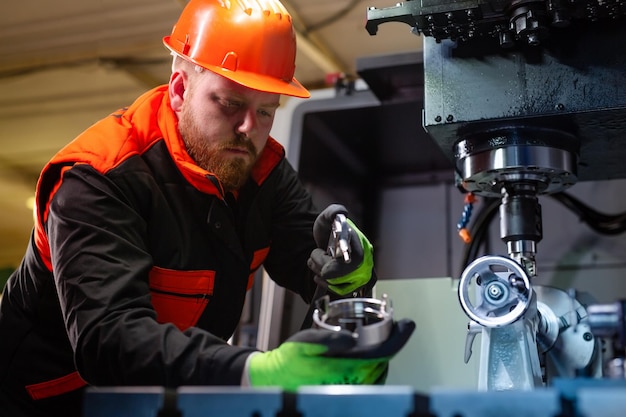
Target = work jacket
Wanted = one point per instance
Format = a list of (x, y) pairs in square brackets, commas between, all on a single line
[(139, 264)]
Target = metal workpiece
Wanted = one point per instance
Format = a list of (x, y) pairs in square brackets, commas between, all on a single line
[(370, 320)]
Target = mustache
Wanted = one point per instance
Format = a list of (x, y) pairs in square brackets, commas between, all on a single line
[(240, 141)]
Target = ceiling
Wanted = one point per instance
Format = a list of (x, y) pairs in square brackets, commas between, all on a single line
[(66, 64)]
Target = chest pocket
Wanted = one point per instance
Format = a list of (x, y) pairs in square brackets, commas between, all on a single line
[(180, 297)]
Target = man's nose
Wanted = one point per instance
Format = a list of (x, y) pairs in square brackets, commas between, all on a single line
[(248, 121)]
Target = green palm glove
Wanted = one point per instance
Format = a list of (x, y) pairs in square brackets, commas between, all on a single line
[(340, 277), (312, 357), (324, 357)]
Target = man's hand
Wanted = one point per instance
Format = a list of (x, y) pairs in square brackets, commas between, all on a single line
[(324, 357), (340, 277)]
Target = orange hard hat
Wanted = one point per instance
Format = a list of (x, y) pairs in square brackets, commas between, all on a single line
[(251, 42)]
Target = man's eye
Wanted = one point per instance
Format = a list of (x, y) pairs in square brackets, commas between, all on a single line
[(226, 103)]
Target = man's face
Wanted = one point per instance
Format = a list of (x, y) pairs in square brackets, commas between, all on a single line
[(225, 125)]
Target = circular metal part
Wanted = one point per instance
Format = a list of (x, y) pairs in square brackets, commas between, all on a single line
[(369, 319), (549, 327), (488, 160), (501, 287), (564, 332)]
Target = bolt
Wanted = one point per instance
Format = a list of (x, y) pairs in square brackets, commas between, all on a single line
[(438, 119), (495, 292), (449, 118), (587, 336)]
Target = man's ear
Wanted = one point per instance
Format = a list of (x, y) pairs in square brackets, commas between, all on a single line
[(176, 89)]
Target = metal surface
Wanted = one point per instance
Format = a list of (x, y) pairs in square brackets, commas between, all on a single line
[(565, 336), (609, 321), (518, 322), (370, 320), (355, 401), (607, 402), (339, 240), (506, 308), (515, 98), (453, 403), (520, 222), (489, 160), (507, 23), (123, 401), (503, 291), (509, 359), (498, 68), (561, 100), (228, 401), (569, 398)]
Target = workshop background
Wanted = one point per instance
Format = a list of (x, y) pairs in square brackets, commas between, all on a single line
[(68, 63)]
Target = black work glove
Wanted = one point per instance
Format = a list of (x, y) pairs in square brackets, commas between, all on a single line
[(340, 277), (400, 334)]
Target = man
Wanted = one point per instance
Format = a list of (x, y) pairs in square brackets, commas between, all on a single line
[(151, 224)]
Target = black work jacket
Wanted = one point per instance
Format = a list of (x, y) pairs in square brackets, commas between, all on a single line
[(138, 265)]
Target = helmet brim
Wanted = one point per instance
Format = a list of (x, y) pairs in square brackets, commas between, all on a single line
[(262, 83), (251, 80)]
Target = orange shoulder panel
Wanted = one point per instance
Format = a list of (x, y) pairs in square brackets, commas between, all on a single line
[(104, 145)]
